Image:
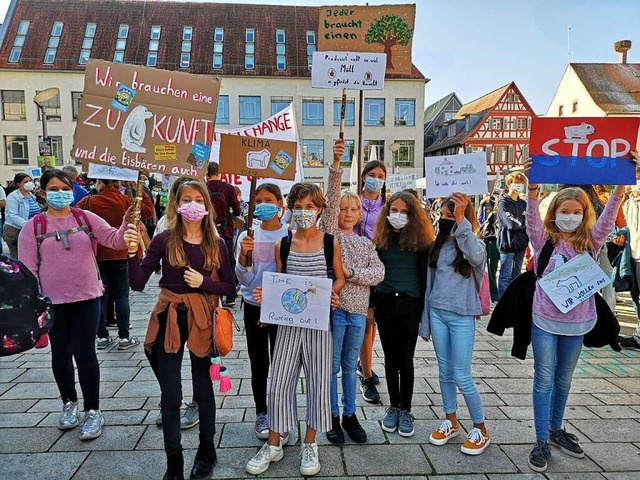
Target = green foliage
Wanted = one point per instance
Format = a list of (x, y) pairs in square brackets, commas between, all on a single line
[(389, 29)]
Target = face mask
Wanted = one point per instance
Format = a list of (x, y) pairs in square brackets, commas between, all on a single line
[(146, 183), (60, 199), (154, 193), (123, 190), (29, 186), (265, 211), (398, 220), (305, 219), (372, 184), (518, 187), (192, 212), (445, 226), (568, 222)]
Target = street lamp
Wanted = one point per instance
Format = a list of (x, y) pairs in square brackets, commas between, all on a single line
[(394, 147), (40, 99)]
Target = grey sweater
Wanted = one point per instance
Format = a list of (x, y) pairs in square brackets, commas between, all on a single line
[(448, 290)]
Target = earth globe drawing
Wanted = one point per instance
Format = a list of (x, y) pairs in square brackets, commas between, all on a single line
[(294, 300)]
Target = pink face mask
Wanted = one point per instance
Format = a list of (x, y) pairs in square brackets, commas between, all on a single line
[(192, 212)]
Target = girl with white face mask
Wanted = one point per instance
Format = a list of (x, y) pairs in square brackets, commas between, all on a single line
[(21, 206)]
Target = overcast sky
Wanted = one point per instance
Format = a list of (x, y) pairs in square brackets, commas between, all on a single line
[(475, 46)]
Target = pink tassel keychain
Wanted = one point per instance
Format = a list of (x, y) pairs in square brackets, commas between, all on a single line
[(225, 381), (214, 369)]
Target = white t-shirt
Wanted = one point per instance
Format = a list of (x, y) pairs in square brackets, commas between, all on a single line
[(3, 195)]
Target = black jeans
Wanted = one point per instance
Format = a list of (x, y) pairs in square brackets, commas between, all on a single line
[(232, 261), (167, 368), (398, 319), (260, 342), (115, 279), (73, 336)]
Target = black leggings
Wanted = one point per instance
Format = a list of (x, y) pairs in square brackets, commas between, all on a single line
[(73, 336), (167, 367), (398, 321), (260, 341)]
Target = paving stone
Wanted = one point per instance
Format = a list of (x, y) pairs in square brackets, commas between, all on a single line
[(454, 477), (618, 398), (36, 375), (558, 463), (28, 440), (126, 374), (31, 390), (16, 406), (358, 460), (20, 419), (614, 457), (152, 438), (629, 385), (375, 435), (571, 476), (614, 411), (609, 430), (148, 389), (599, 385), (423, 429), (54, 465), (107, 465), (448, 459), (112, 438), (571, 412), (526, 400), (622, 475), (514, 476), (239, 435), (10, 374), (112, 417)]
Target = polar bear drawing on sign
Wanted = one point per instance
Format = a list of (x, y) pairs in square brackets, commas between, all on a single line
[(135, 129), (579, 131), (570, 283)]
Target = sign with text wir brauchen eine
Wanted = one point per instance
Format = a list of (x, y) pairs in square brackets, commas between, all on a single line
[(583, 151), (146, 119), (258, 157), (376, 29)]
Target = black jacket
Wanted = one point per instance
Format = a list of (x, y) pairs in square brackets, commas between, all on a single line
[(511, 221)]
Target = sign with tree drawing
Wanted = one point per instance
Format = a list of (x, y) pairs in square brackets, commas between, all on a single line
[(379, 29)]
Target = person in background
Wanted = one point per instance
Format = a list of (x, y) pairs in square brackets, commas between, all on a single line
[(3, 204), (21, 205), (155, 198), (632, 215), (78, 190), (488, 233)]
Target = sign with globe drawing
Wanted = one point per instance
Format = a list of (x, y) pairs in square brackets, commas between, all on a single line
[(295, 301)]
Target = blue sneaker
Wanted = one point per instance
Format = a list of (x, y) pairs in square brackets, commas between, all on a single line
[(405, 424), (390, 420)]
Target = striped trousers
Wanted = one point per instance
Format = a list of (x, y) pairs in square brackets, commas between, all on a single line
[(312, 350)]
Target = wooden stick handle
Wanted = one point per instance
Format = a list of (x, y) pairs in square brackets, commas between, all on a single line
[(342, 112), (252, 206), (137, 203)]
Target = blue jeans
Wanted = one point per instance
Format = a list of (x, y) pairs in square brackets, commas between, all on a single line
[(554, 360), (510, 267), (453, 336), (348, 333)]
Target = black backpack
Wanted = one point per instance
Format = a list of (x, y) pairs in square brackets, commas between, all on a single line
[(25, 315)]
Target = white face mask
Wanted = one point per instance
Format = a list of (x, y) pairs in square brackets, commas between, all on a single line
[(518, 187), (398, 220), (305, 219), (29, 186), (568, 222)]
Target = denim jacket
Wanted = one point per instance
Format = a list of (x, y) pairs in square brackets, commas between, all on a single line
[(17, 209)]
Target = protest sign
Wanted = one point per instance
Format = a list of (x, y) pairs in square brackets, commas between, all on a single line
[(108, 172), (400, 181), (146, 119), (583, 151), (355, 71), (281, 126), (295, 301), (466, 173), (46, 161), (258, 157), (573, 282), (33, 172), (45, 148), (381, 28)]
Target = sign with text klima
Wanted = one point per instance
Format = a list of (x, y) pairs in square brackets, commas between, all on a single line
[(257, 157), (354, 71), (583, 151), (146, 119), (377, 29)]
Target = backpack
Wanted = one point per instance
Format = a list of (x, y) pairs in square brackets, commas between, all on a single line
[(25, 315), (221, 207), (84, 225), (285, 248)]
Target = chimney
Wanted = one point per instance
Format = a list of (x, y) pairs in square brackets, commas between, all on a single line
[(622, 47)]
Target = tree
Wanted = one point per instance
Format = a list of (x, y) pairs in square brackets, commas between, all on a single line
[(389, 30)]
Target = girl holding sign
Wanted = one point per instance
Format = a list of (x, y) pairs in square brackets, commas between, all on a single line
[(306, 253), (556, 338)]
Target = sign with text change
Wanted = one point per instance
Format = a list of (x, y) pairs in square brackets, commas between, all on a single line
[(466, 173), (257, 157), (354, 71), (146, 119), (583, 151)]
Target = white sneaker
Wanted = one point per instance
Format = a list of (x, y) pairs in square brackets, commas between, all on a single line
[(261, 461), (310, 464)]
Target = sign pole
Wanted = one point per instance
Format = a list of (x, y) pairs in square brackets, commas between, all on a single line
[(360, 142), (252, 206), (137, 202), (342, 112)]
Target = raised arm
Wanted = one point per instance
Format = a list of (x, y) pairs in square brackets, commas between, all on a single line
[(329, 221)]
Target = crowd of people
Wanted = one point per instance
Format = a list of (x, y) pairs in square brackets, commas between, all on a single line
[(408, 271)]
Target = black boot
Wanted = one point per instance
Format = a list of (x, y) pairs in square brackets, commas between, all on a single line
[(206, 459), (353, 428), (335, 435), (175, 467)]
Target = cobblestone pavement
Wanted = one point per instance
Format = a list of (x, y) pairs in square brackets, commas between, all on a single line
[(603, 412)]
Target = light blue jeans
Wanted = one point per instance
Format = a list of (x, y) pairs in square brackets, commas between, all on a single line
[(348, 333), (510, 267), (554, 360), (453, 336)]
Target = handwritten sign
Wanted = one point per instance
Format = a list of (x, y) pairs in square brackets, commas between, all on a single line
[(107, 172), (355, 71), (295, 301), (377, 29), (466, 173), (258, 157), (146, 119), (587, 151), (400, 181), (573, 282)]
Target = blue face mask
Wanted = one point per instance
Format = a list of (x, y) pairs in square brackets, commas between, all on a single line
[(60, 199), (373, 184), (265, 211)]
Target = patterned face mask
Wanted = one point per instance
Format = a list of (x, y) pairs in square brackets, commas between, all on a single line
[(305, 219)]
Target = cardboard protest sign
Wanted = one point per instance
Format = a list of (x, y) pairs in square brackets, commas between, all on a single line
[(108, 172), (257, 157), (356, 71), (583, 151), (466, 173), (295, 301), (382, 28), (146, 119), (400, 181), (281, 126)]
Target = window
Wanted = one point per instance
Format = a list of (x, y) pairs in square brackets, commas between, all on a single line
[(280, 103), (405, 112), (250, 35), (281, 60), (87, 43), (13, 106), (311, 47), (313, 153), (512, 98), (500, 154), (312, 111), (349, 112), (560, 110), (521, 124), (222, 112), (18, 42), (121, 43), (52, 108), (217, 60), (404, 156), (218, 47), (451, 131), (185, 55), (54, 41), (349, 149), (496, 124), (373, 112), (448, 116), (17, 150), (154, 44), (249, 110), (574, 107), (249, 58), (218, 35), (75, 104), (370, 146), (311, 37), (57, 150), (280, 37)]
